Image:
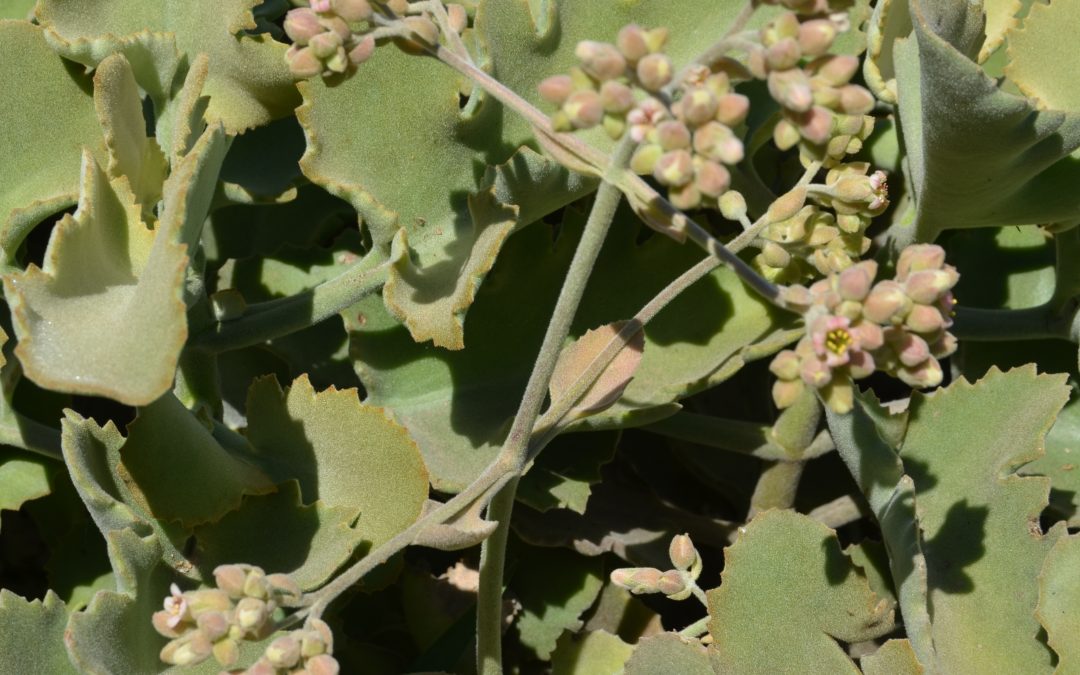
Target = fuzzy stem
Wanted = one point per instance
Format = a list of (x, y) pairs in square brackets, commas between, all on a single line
[(21, 432), (700, 595), (751, 233), (776, 487), (489, 617), (276, 318)]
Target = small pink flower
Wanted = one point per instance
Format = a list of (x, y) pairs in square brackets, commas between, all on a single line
[(834, 341), (320, 5), (176, 606), (881, 190), (644, 118)]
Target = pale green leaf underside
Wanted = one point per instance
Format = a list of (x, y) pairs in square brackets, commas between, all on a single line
[(344, 453), (979, 520), (1000, 20), (787, 594), (895, 657), (22, 479), (1044, 73), (949, 109), (592, 653), (669, 653), (248, 84), (1059, 602), (555, 587), (40, 172)]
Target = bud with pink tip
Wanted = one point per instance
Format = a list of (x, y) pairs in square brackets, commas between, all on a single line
[(886, 303), (654, 72), (616, 97), (584, 109), (674, 585), (363, 50), (675, 168), (556, 89), (632, 43), (302, 62), (600, 60), (637, 580), (301, 25), (718, 142), (919, 257), (816, 37), (712, 178), (732, 109)]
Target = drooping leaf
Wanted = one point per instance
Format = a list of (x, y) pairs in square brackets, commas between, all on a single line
[(979, 520), (344, 453), (33, 189), (173, 465), (1047, 78), (895, 657), (1059, 602), (459, 405), (668, 652), (249, 83), (785, 577), (949, 107), (613, 380), (555, 587), (280, 534), (592, 653), (32, 635)]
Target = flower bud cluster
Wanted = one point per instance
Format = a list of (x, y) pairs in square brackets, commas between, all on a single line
[(823, 112), (213, 622), (677, 584), (685, 145), (827, 236), (307, 651), (854, 327), (804, 7)]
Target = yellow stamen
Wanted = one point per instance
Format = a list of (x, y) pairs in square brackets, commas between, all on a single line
[(837, 341)]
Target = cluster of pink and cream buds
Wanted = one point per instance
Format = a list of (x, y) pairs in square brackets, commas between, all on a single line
[(828, 235), (677, 583), (213, 622), (855, 327), (684, 145), (332, 37), (823, 112)]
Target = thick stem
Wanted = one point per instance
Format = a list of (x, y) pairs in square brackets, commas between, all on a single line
[(776, 487), (276, 318), (489, 621), (696, 629), (21, 432)]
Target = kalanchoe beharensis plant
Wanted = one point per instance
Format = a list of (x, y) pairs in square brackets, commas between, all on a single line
[(329, 345)]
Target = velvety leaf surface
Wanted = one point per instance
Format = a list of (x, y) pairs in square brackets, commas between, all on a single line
[(563, 475), (248, 84), (179, 471), (592, 653), (1040, 74), (1059, 602), (895, 657), (32, 189), (17, 9), (458, 405), (555, 587), (32, 635), (613, 380), (669, 653), (979, 521), (948, 108), (344, 453), (280, 534), (786, 595)]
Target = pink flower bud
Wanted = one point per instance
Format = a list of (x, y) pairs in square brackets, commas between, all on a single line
[(699, 106), (363, 50), (556, 89), (786, 205), (918, 257), (870, 336), (301, 25), (673, 135), (631, 42), (910, 349), (320, 5), (926, 374), (213, 624), (816, 37), (251, 614), (783, 55), (584, 109), (686, 197), (187, 650), (325, 45), (944, 346), (302, 62), (673, 584), (459, 17), (856, 100), (656, 38), (732, 109), (338, 26), (285, 587), (616, 97), (226, 652), (284, 652), (600, 60), (323, 664), (815, 373), (712, 179), (927, 286), (791, 89), (785, 365), (836, 71), (654, 72), (718, 142), (786, 135), (786, 392), (645, 159), (886, 303), (675, 168), (861, 365), (424, 32), (925, 319), (855, 282), (637, 580), (774, 255)]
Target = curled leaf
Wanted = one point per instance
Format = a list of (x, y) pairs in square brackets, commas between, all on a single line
[(613, 380)]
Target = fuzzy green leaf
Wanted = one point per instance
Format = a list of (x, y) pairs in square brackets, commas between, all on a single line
[(1059, 602), (669, 653), (32, 635), (22, 478), (248, 83), (948, 110), (895, 657), (344, 453), (458, 405), (178, 471), (32, 189), (979, 520), (278, 533), (593, 653), (563, 475), (17, 9), (787, 594), (1039, 72), (555, 587)]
